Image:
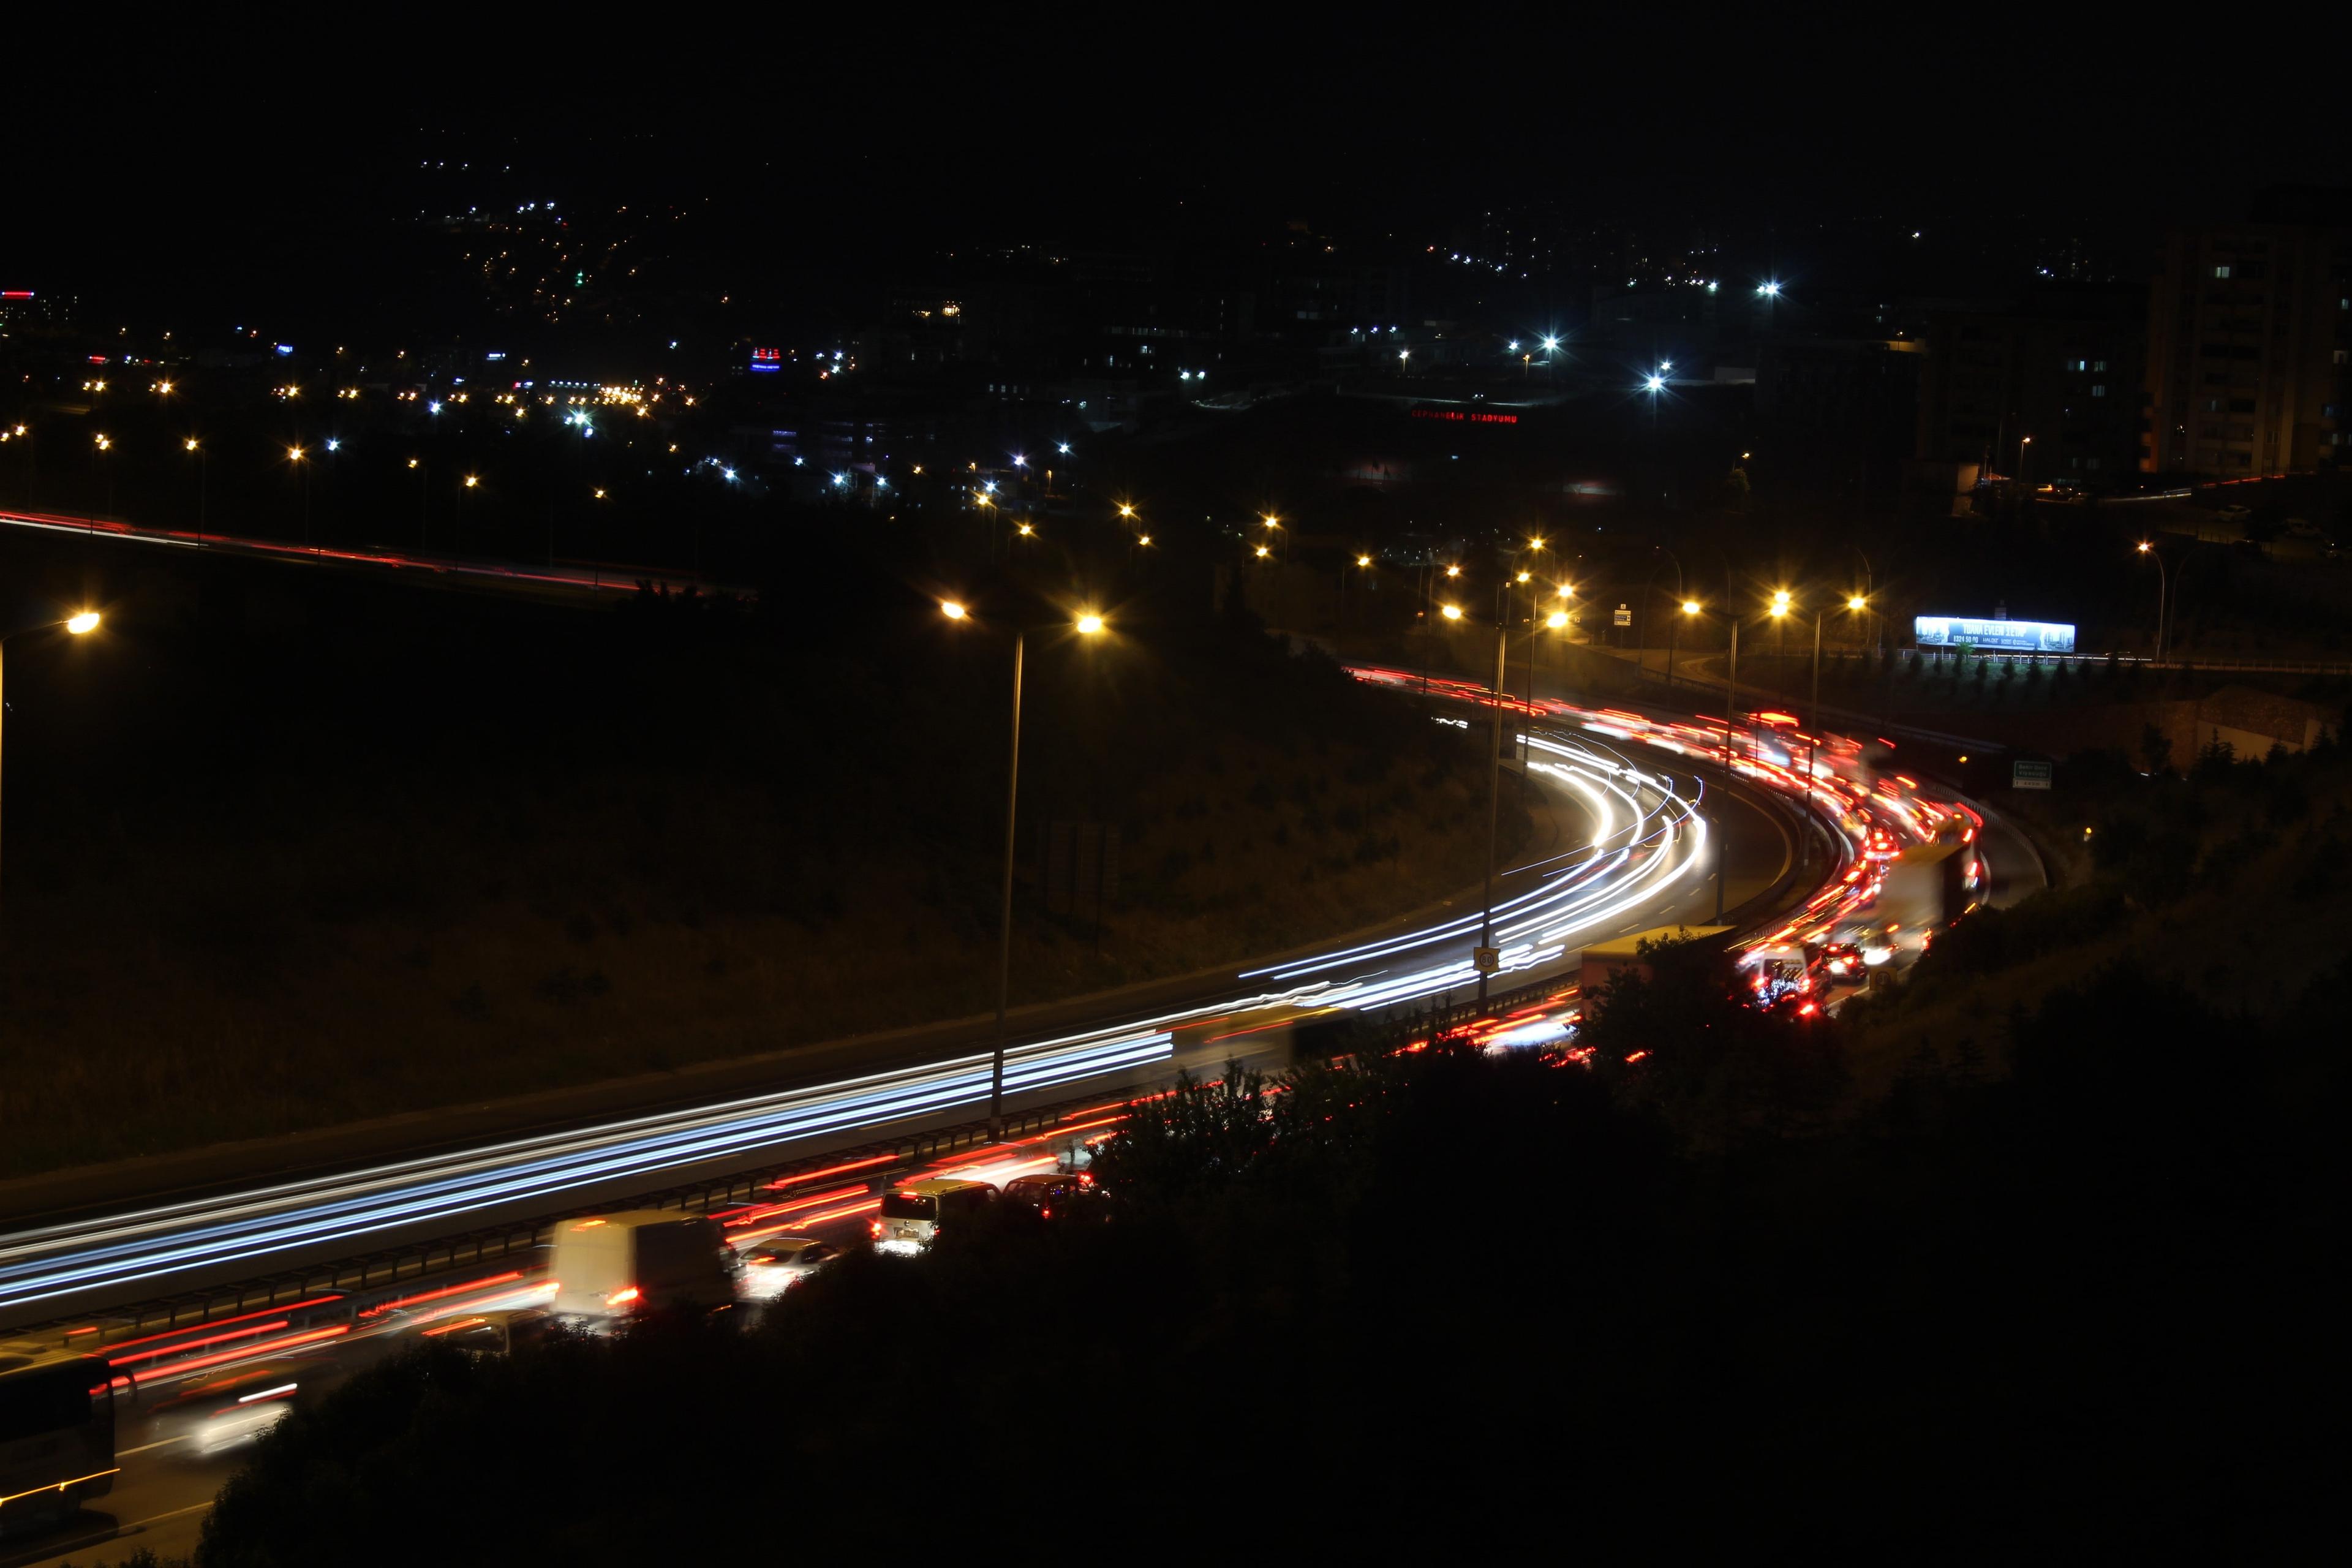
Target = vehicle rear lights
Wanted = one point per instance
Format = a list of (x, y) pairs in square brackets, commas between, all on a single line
[(622, 1296)]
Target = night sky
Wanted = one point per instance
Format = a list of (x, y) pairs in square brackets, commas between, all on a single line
[(195, 173)]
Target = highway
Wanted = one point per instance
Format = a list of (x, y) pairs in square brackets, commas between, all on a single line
[(569, 577), (1635, 788)]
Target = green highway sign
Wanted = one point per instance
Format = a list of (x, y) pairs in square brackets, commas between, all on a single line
[(2023, 774)]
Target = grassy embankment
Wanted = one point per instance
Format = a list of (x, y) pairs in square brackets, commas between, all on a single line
[(415, 852), (2224, 879)]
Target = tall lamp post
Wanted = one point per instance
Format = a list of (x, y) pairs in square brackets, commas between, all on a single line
[(1089, 624), (196, 448), (2162, 593), (1674, 636), (1485, 955), (1730, 716), (79, 623)]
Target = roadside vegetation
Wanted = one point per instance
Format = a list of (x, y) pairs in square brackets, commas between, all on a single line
[(1697, 1293)]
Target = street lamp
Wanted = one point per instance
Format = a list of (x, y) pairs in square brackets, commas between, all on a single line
[(2163, 591), (79, 623), (1451, 612), (1673, 637), (1089, 624)]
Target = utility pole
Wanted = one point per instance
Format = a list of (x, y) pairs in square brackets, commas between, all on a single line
[(1730, 707), (1493, 809)]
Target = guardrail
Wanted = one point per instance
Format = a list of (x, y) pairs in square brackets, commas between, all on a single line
[(345, 1289), (356, 1283)]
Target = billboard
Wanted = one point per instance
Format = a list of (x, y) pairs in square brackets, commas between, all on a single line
[(768, 358), (1997, 637)]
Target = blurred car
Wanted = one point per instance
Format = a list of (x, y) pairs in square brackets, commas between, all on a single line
[(500, 1332), (1054, 1193), (772, 1266), (216, 1412), (1842, 963)]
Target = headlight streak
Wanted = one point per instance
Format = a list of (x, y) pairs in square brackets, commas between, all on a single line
[(1648, 838), (45, 1263)]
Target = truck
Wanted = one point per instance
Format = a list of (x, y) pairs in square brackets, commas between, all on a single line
[(57, 1433), (1927, 886), (613, 1266), (1603, 961)]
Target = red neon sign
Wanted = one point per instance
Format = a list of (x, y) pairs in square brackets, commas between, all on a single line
[(1456, 417)]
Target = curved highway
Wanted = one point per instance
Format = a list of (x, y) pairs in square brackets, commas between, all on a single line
[(1638, 783)]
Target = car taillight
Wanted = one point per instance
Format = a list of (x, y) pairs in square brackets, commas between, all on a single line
[(874, 1227), (622, 1296)]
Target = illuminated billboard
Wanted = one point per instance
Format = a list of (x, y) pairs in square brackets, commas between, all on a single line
[(1999, 637), (768, 358)]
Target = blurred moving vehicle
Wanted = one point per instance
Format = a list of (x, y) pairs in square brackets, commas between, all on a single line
[(226, 1409), (772, 1266), (1052, 1193), (913, 1215), (1775, 972), (57, 1433), (1842, 963), (500, 1332), (617, 1265)]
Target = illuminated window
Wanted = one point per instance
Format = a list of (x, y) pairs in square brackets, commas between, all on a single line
[(2221, 272)]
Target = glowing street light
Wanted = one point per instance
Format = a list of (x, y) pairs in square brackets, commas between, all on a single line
[(1088, 623), (1363, 561), (1144, 538), (1780, 602), (1263, 552), (1524, 577), (1454, 571), (471, 481), (189, 445), (1126, 509), (1568, 590), (81, 624), (1451, 612), (1556, 620), (1857, 603), (1653, 384), (1690, 606)]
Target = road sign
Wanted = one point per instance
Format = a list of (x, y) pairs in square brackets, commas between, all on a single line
[(1487, 960), (1624, 615), (2029, 775)]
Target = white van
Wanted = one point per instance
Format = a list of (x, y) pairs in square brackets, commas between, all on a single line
[(913, 1211), (640, 1260)]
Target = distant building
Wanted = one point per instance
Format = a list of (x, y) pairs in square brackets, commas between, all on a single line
[(2046, 390), (2250, 328)]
